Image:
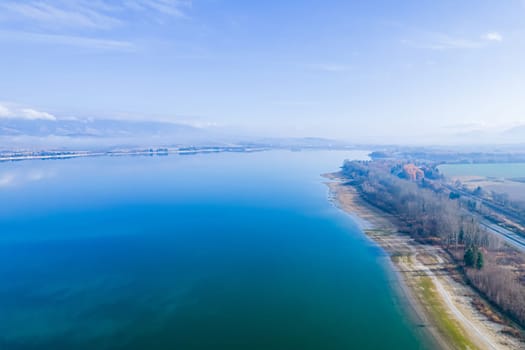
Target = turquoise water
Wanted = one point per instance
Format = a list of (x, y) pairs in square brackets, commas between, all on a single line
[(222, 251)]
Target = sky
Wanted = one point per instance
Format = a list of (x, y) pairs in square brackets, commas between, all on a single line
[(363, 71)]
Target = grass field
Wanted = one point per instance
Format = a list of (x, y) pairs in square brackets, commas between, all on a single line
[(498, 177), (444, 322), (497, 170)]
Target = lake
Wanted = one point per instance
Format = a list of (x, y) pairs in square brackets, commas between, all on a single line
[(217, 251)]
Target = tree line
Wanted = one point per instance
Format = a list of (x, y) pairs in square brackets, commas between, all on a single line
[(437, 217)]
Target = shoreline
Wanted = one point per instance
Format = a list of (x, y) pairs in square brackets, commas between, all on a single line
[(439, 302), (47, 155)]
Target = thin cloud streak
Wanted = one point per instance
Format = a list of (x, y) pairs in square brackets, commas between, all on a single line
[(166, 7), (71, 16), (94, 14), (68, 40), (329, 67), (443, 42)]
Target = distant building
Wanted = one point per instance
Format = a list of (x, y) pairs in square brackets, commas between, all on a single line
[(412, 172)]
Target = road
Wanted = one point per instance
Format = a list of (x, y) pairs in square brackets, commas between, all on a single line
[(510, 237)]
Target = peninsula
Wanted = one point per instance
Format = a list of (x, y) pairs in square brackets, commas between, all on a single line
[(462, 279)]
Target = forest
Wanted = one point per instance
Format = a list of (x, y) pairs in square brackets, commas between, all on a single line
[(433, 216)]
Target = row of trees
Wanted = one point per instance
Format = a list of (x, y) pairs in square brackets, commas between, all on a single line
[(435, 217), (426, 214)]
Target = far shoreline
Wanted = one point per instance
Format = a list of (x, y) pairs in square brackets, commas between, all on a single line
[(13, 156)]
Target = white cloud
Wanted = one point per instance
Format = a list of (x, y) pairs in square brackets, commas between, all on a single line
[(24, 113), (492, 36), (4, 111), (32, 114)]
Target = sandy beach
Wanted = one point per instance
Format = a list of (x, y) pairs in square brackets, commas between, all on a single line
[(446, 306)]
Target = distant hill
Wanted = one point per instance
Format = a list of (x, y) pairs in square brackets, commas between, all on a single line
[(16, 134), (92, 128), (41, 134)]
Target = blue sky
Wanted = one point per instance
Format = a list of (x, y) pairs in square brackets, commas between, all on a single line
[(359, 70)]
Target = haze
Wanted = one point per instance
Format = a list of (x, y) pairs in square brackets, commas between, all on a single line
[(359, 71)]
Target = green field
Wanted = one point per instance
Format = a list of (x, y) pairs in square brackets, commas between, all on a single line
[(500, 170), (498, 177)]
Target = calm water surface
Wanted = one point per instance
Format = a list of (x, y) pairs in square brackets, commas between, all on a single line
[(221, 251)]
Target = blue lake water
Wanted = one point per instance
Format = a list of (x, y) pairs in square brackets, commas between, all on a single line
[(219, 251)]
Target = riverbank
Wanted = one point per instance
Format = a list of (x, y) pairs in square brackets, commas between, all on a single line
[(449, 309)]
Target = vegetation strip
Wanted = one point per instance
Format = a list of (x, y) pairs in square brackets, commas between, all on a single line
[(446, 324), (428, 213), (422, 258)]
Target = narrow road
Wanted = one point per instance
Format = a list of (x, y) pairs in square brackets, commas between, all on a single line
[(480, 336), (509, 236)]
